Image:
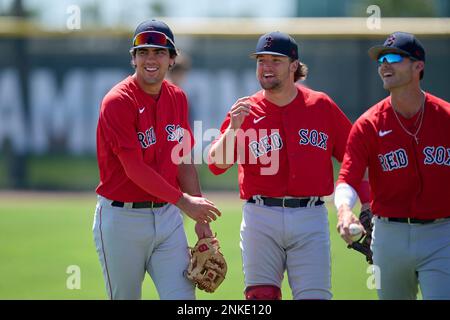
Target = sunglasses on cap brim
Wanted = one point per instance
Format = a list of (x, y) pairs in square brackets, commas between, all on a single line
[(392, 58), (149, 38)]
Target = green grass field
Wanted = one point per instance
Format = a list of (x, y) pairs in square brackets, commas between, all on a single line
[(42, 234)]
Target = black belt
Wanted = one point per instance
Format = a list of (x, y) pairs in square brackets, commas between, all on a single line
[(413, 220), (287, 202), (140, 205)]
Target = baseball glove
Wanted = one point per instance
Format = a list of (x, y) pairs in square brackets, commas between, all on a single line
[(207, 267), (363, 244)]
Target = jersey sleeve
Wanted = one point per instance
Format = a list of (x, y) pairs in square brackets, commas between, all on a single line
[(342, 126), (146, 177), (118, 122), (356, 158), (212, 166)]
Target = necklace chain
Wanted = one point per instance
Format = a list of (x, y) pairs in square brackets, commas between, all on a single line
[(422, 111)]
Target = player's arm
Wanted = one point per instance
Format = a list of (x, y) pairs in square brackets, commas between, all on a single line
[(353, 169), (190, 184), (199, 209), (117, 118), (342, 131), (344, 199), (146, 177), (222, 152), (188, 179)]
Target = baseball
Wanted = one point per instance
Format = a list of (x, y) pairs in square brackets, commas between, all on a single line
[(355, 231)]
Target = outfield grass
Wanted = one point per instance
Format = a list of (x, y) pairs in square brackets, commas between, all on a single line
[(41, 235)]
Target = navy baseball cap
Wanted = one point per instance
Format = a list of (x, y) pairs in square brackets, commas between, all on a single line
[(278, 44), (154, 34), (402, 43)]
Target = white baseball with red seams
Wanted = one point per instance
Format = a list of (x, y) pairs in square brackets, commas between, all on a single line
[(356, 231)]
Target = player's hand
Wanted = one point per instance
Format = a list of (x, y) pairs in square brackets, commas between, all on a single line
[(203, 230), (345, 218), (198, 208), (238, 112)]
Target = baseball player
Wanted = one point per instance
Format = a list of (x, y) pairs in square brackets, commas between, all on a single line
[(405, 142), (143, 134), (283, 138)]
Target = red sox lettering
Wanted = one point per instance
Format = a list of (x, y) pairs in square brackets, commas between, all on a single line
[(148, 138), (259, 147), (174, 133), (315, 138), (393, 160), (399, 159), (274, 141), (437, 155), (266, 144)]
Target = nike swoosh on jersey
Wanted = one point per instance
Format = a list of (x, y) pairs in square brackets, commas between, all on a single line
[(255, 121), (382, 133), (141, 110)]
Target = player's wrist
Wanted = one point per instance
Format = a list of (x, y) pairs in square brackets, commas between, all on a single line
[(344, 195), (203, 230), (182, 201), (344, 207), (231, 131), (344, 214)]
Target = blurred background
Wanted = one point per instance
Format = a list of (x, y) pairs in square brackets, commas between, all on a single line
[(59, 58)]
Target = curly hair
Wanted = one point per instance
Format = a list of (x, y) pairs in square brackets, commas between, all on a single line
[(301, 72)]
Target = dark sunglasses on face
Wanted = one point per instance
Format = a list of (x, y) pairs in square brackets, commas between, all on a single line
[(392, 58)]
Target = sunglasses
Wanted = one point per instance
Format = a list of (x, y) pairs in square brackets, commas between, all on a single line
[(152, 38), (392, 58)]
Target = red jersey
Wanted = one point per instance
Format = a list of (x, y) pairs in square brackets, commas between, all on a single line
[(407, 179), (131, 119), (301, 137)]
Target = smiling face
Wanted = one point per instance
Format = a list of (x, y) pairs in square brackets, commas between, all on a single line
[(152, 65), (399, 74), (273, 72)]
